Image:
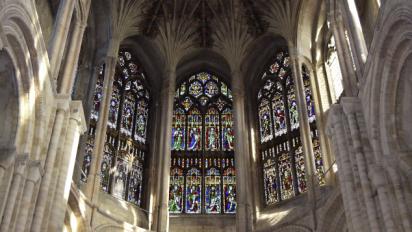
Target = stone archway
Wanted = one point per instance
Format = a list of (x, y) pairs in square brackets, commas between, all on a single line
[(8, 103)]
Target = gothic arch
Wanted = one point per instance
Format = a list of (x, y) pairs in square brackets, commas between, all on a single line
[(384, 85), (23, 43), (204, 59)]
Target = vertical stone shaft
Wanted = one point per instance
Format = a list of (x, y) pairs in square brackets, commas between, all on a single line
[(244, 219), (344, 54), (166, 102), (43, 198), (350, 106), (305, 133), (33, 177), (72, 60), (345, 172), (14, 192), (59, 36), (356, 31), (93, 179), (66, 167)]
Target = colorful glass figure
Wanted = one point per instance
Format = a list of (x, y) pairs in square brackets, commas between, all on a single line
[(229, 188), (178, 130), (212, 191), (227, 131), (300, 169), (142, 114), (194, 142), (212, 130), (105, 168), (270, 182), (279, 115), (98, 94), (286, 178), (193, 191), (114, 107), (202, 126), (176, 191), (265, 119)]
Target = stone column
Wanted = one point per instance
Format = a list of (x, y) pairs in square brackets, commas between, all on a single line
[(333, 119), (72, 59), (244, 220), (340, 139), (304, 127), (34, 174), (7, 157), (355, 28), (351, 107), (93, 180), (43, 199), (20, 167), (380, 183), (76, 127), (344, 53), (167, 95), (60, 31)]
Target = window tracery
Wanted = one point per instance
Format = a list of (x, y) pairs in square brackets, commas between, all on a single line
[(278, 118), (121, 170), (202, 178)]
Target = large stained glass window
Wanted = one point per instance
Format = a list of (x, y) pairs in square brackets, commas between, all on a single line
[(278, 118), (121, 170), (310, 105), (202, 177), (281, 148)]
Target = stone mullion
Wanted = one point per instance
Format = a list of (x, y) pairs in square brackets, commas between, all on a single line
[(93, 183), (304, 127), (320, 126), (166, 101), (350, 106)]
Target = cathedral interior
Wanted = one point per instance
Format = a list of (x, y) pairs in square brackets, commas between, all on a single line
[(205, 115)]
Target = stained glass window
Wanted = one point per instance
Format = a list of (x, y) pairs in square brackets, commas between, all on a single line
[(121, 170), (310, 106), (282, 157), (94, 117), (202, 178)]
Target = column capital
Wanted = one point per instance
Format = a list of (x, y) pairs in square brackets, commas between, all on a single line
[(7, 156), (334, 117), (63, 102), (377, 175), (77, 114), (21, 163), (35, 171), (351, 105)]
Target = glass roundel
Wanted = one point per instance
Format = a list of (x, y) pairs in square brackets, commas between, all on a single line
[(278, 118), (202, 177)]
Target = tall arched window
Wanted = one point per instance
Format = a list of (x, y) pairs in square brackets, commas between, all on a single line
[(126, 145), (310, 106), (202, 178), (281, 147), (335, 75)]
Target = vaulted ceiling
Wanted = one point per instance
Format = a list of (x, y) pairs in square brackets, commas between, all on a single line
[(202, 12)]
